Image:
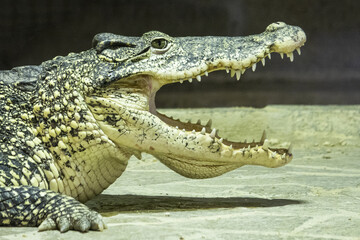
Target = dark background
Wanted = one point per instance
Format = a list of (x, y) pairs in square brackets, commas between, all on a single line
[(327, 72)]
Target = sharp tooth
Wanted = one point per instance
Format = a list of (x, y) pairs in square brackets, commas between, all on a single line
[(221, 140), (283, 156), (263, 61), (177, 127), (243, 70), (198, 122), (183, 130), (203, 131), (190, 79), (206, 73), (198, 77), (298, 51), (291, 56), (230, 147), (273, 154), (253, 67), (209, 123), (227, 70), (290, 149), (266, 144), (232, 73), (213, 133), (282, 55), (248, 148), (263, 137), (181, 81), (238, 75), (193, 131), (269, 55)]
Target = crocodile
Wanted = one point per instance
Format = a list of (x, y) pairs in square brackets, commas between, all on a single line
[(69, 125)]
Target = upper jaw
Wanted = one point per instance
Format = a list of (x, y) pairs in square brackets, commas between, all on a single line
[(192, 57), (235, 61)]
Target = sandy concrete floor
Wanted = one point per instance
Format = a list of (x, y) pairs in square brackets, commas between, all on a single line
[(316, 196)]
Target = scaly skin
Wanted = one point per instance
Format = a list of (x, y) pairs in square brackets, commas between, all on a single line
[(69, 126)]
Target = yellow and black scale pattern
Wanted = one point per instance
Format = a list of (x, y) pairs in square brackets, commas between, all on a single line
[(44, 122)]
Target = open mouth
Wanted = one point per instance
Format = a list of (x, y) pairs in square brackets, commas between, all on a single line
[(126, 111), (234, 68)]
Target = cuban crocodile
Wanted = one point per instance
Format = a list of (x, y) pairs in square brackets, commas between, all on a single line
[(69, 125)]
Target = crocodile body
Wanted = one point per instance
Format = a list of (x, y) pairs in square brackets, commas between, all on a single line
[(69, 125)]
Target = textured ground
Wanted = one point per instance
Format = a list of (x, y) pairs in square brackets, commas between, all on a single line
[(316, 196)]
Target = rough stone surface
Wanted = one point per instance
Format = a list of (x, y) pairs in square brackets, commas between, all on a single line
[(317, 196)]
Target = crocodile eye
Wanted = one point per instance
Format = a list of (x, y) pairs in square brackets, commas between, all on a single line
[(159, 43)]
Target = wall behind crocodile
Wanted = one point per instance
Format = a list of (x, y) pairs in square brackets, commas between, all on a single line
[(328, 71)]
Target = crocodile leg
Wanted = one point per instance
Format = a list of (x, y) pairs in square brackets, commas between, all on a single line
[(32, 206)]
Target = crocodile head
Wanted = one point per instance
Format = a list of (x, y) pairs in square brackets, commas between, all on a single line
[(134, 69)]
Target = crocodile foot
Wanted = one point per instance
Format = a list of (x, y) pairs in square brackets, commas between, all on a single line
[(81, 220)]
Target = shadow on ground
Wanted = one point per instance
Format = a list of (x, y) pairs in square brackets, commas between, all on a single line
[(109, 205)]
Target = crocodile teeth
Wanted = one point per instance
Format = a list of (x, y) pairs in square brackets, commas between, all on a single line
[(221, 140), (203, 131), (282, 55), (291, 56), (232, 73), (230, 147), (269, 55), (227, 70), (193, 131), (243, 70), (263, 61), (198, 77), (190, 79), (238, 75), (209, 123), (253, 67), (206, 73), (266, 144), (213, 133), (283, 156), (273, 154), (181, 81), (263, 137), (298, 51), (290, 149)]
